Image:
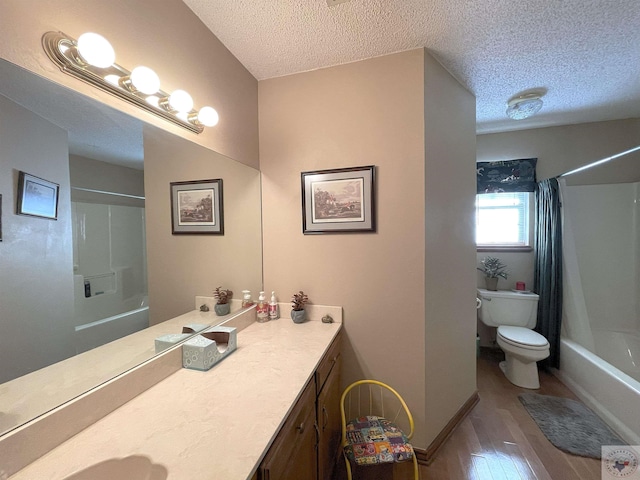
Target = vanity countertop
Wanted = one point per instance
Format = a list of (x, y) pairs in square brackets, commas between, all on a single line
[(200, 425)]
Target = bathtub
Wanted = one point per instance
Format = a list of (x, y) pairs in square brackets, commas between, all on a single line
[(607, 390), (120, 318)]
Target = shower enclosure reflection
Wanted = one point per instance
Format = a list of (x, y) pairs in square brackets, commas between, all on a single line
[(109, 272)]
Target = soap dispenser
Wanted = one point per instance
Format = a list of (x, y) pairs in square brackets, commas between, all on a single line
[(261, 309), (246, 299), (274, 311)]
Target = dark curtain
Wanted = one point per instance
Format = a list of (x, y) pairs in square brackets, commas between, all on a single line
[(548, 266), (506, 176)]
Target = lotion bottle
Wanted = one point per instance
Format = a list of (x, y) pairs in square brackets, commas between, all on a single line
[(261, 309), (274, 312)]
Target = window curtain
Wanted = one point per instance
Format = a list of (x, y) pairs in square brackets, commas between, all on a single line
[(506, 176), (548, 266)]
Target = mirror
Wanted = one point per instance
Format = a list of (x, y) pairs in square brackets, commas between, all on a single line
[(59, 278)]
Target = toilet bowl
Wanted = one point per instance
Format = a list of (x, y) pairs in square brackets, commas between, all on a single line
[(522, 349), (515, 315)]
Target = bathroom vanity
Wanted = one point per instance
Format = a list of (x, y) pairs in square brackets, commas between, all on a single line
[(269, 410)]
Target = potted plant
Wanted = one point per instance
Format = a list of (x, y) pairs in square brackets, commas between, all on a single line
[(493, 268), (298, 301), (222, 295)]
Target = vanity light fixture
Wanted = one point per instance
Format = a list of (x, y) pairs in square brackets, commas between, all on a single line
[(525, 104), (92, 59)]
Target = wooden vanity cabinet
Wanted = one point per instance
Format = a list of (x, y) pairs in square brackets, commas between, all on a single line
[(308, 442), (328, 410), (293, 453)]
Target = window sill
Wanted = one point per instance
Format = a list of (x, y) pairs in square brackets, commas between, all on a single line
[(504, 248)]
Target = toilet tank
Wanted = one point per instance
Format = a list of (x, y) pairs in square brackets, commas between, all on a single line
[(505, 307)]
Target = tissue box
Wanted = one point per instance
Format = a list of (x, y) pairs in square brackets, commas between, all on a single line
[(194, 327), (165, 341), (203, 351)]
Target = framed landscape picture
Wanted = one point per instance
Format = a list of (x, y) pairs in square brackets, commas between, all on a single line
[(339, 200), (196, 207), (37, 197)]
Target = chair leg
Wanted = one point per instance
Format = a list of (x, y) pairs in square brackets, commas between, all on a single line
[(348, 464), (415, 468)]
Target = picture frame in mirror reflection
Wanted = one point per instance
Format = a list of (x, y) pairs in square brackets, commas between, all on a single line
[(37, 197), (197, 207), (339, 200)]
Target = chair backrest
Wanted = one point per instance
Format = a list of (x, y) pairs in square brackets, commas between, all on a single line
[(371, 397)]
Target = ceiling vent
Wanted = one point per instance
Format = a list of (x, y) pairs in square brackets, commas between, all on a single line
[(332, 3)]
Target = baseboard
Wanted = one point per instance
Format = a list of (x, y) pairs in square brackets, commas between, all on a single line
[(425, 457)]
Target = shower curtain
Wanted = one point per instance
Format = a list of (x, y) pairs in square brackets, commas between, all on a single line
[(548, 266)]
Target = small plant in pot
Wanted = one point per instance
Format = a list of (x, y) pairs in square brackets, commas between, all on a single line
[(298, 301), (493, 269), (222, 295)]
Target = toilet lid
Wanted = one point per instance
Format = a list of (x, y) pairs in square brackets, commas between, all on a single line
[(522, 336)]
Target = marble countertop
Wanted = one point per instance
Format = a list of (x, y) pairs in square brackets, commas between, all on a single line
[(199, 425)]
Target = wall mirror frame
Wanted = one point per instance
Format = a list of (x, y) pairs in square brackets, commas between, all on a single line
[(103, 136)]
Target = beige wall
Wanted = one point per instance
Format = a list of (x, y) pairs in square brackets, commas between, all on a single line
[(449, 227), (561, 149), (369, 113), (182, 266), (36, 311), (167, 37)]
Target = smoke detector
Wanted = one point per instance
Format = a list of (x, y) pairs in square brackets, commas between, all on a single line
[(525, 104)]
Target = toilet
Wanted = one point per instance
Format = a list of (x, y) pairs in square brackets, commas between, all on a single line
[(515, 314)]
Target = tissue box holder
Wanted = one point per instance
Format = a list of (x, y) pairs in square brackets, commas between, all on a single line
[(165, 341), (203, 351)]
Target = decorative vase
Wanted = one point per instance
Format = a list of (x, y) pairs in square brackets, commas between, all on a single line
[(298, 316), (222, 309), (492, 283)]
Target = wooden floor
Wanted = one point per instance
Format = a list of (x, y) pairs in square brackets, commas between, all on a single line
[(500, 441)]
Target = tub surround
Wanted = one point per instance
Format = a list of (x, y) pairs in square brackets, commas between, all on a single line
[(215, 424)]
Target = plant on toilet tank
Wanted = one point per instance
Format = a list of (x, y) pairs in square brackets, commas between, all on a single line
[(493, 269)]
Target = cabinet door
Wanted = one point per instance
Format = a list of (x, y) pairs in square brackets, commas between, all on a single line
[(293, 455), (328, 419)]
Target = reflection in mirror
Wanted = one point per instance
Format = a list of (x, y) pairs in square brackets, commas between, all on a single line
[(73, 292)]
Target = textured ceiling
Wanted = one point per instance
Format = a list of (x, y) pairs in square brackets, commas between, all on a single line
[(586, 53)]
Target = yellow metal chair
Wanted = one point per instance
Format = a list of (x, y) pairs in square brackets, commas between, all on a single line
[(376, 426)]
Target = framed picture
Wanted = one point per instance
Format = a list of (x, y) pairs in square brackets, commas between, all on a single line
[(339, 201), (37, 197), (196, 207)]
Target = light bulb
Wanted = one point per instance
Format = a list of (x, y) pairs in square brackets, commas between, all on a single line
[(96, 50), (208, 116), (145, 80), (180, 101)]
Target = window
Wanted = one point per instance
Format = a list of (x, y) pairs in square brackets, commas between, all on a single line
[(502, 220)]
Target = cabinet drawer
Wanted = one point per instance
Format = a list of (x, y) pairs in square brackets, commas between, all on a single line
[(329, 360)]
